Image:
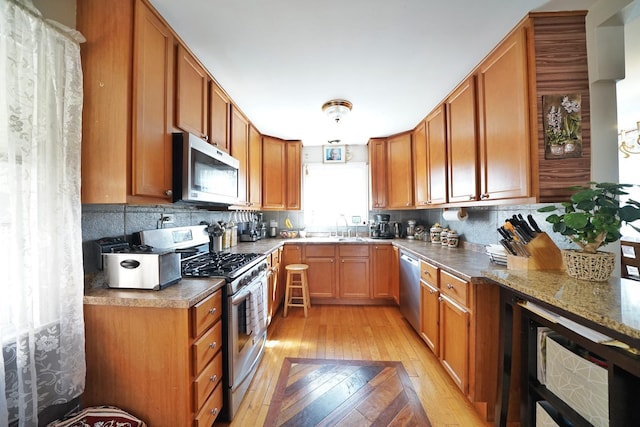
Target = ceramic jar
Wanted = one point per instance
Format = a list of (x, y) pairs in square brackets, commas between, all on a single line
[(444, 235), (435, 232), (452, 239)]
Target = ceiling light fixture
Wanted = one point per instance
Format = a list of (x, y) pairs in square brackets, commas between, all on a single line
[(336, 109)]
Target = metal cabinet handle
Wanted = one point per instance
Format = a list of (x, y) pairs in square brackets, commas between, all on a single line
[(213, 345), (168, 193), (431, 291), (484, 196), (214, 411), (213, 378), (449, 286), (426, 273), (213, 310), (440, 298)]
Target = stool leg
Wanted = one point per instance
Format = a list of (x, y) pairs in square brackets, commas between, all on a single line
[(305, 292), (287, 291)]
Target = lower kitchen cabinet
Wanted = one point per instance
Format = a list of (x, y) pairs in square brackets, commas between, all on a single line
[(273, 282), (459, 323), (162, 364), (384, 271), (321, 275), (353, 271)]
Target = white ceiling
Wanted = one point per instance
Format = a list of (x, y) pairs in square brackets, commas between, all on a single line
[(280, 60)]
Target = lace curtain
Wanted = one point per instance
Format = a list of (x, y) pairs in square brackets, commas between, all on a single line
[(42, 361)]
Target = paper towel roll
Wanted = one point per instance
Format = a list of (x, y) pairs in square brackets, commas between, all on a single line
[(455, 215)]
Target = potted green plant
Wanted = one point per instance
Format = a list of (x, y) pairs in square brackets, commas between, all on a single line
[(592, 218)]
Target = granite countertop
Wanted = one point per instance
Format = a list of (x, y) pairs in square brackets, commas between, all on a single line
[(184, 294), (614, 305)]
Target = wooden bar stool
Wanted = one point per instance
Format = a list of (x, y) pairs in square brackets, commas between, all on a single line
[(297, 279)]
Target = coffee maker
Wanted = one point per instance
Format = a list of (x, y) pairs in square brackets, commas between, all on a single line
[(382, 228)]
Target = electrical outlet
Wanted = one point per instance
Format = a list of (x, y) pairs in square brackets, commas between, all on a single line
[(168, 218)]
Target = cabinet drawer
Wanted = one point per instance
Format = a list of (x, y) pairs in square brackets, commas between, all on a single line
[(204, 384), (429, 273), (206, 313), (319, 251), (354, 250), (206, 347), (457, 289), (210, 410)]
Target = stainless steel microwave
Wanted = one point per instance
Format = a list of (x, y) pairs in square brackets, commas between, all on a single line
[(203, 174)]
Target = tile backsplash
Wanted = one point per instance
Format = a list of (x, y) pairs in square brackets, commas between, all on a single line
[(100, 221)]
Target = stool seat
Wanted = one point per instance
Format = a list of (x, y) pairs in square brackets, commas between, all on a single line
[(297, 279)]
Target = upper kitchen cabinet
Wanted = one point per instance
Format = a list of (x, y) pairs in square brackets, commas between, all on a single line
[(281, 174), (399, 172), (240, 150), (246, 146), (192, 94), (254, 182), (503, 122), (128, 63), (219, 117), (378, 172), (430, 160), (462, 143)]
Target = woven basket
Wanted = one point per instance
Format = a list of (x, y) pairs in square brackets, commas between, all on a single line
[(585, 266)]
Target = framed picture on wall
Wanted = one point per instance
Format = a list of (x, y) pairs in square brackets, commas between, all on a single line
[(333, 154)]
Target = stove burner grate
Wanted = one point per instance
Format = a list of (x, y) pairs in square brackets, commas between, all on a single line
[(223, 264)]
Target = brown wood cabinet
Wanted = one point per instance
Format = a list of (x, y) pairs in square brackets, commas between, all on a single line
[(128, 109), (162, 364), (281, 174), (219, 117), (384, 275), (353, 272), (273, 282), (322, 274), (254, 181), (378, 173), (462, 149), (436, 136), (504, 126), (420, 183), (192, 94), (458, 322), (400, 172), (240, 150), (430, 306)]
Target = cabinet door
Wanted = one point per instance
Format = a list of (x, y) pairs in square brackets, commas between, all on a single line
[(293, 173), (399, 172), (255, 168), (219, 118), (378, 172), (273, 173), (436, 134), (420, 183), (430, 316), (191, 94), (152, 111), (322, 277), (354, 277), (504, 127), (454, 341), (382, 271), (462, 143), (240, 150), (395, 283)]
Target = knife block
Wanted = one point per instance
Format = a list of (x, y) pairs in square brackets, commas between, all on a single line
[(545, 255)]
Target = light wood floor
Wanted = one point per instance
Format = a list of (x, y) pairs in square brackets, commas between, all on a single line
[(356, 332)]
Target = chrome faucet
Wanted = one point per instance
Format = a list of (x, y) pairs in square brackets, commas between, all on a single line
[(342, 218)]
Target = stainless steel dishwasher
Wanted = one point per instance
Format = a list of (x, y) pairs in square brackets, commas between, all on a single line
[(410, 289)]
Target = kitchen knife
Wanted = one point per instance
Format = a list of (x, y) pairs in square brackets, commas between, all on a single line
[(524, 230), (533, 223), (525, 225), (508, 247)]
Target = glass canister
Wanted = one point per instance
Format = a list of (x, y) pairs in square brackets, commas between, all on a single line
[(444, 237), (434, 233), (453, 239)]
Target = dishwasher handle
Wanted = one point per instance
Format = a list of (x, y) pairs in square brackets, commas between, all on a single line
[(409, 259)]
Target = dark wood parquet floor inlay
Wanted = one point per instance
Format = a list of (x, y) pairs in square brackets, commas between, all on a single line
[(324, 392)]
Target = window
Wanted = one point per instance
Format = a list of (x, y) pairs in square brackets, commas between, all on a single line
[(331, 190)]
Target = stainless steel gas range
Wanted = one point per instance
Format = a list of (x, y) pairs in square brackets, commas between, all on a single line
[(244, 308)]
